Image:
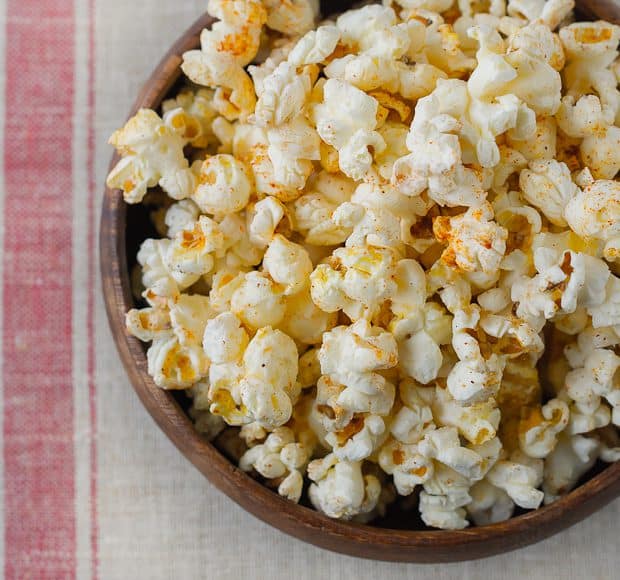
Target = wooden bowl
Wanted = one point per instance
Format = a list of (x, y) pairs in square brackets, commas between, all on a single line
[(124, 227)]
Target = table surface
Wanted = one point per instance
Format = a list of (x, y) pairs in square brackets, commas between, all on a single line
[(90, 487)]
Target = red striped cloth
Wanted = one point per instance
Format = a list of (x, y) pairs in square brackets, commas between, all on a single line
[(89, 487)]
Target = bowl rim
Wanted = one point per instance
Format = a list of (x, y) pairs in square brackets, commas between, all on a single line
[(425, 546)]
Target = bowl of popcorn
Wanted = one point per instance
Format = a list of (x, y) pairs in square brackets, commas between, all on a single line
[(362, 267)]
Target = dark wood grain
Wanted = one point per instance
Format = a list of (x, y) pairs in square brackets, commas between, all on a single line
[(358, 540)]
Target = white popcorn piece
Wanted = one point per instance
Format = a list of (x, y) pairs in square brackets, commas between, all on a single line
[(356, 280), (147, 324), (192, 250), (290, 17), (474, 378), (293, 147), (571, 458), (224, 339), (548, 186), (269, 388), (489, 504), (361, 437), (443, 499), (264, 220), (288, 264), (539, 428), (519, 480), (157, 277), (223, 185), (595, 213), (180, 215), (280, 456), (444, 446), (224, 394), (406, 465), (304, 321), (258, 301), (283, 95), (152, 154), (478, 423), (192, 114), (347, 119), (415, 418), (340, 490), (315, 46)]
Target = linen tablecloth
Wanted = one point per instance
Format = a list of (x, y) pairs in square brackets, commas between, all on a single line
[(90, 487)]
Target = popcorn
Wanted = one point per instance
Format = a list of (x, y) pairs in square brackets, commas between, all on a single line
[(192, 250), (269, 388), (475, 241), (548, 186), (340, 490), (519, 480), (257, 301), (192, 115), (383, 225), (288, 264), (223, 185), (539, 428), (357, 280), (347, 119), (279, 457), (594, 212), (152, 154)]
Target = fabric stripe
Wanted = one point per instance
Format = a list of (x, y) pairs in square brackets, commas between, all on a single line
[(2, 195), (37, 285), (81, 291)]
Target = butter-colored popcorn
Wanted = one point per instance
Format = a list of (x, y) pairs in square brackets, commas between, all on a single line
[(539, 428), (475, 241), (223, 185), (279, 457), (406, 465), (290, 17), (226, 48), (347, 120), (356, 280), (157, 277), (340, 490), (148, 323), (180, 215), (595, 213), (304, 321), (258, 301), (174, 366), (192, 115), (361, 437), (224, 394), (152, 154), (478, 423), (192, 250), (269, 387), (288, 264), (548, 186)]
